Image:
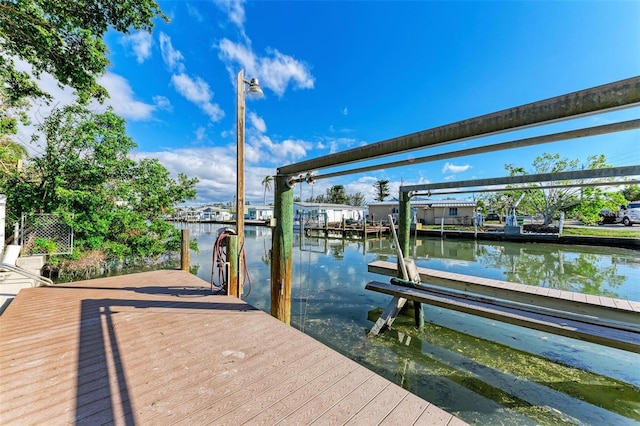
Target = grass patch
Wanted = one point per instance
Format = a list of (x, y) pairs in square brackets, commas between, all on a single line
[(601, 232), (593, 231)]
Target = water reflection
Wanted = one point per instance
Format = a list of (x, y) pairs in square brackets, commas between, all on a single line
[(605, 271), (484, 371)]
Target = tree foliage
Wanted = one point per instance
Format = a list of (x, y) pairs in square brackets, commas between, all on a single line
[(85, 175), (631, 192), (357, 199), (548, 202), (382, 189), (592, 202), (64, 39), (337, 195)]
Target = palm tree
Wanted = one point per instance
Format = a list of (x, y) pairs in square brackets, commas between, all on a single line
[(266, 182)]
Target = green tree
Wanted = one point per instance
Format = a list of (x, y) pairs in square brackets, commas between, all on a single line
[(547, 202), (337, 195), (592, 201), (382, 189), (64, 39), (266, 182), (356, 199), (85, 175), (10, 155), (11, 112), (631, 192)]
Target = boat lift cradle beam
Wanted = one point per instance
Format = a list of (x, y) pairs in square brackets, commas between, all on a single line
[(600, 99)]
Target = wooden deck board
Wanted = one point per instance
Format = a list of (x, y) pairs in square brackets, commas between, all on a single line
[(158, 348)]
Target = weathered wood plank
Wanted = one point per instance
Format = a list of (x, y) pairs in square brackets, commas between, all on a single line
[(320, 403), (254, 405), (344, 410), (380, 406), (309, 390), (406, 412)]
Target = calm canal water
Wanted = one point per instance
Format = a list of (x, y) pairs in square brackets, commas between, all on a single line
[(483, 371)]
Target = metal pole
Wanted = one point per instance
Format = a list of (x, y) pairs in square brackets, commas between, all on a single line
[(240, 182), (282, 251), (519, 143)]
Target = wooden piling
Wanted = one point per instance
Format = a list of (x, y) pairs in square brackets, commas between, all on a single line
[(233, 288), (281, 251), (185, 252)]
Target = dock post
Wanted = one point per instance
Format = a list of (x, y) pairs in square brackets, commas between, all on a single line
[(281, 250), (418, 314), (234, 268), (404, 237), (404, 222), (185, 253), (364, 229)]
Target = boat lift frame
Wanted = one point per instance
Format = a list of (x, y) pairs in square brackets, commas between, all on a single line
[(596, 100)]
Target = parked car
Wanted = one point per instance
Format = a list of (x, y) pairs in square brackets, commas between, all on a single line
[(630, 214), (607, 216), (492, 216), (627, 215)]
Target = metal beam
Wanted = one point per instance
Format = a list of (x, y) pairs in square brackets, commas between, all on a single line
[(599, 99), (542, 177), (523, 188), (519, 143)]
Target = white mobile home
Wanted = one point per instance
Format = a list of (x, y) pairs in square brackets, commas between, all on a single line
[(428, 212), (326, 213), (259, 212)]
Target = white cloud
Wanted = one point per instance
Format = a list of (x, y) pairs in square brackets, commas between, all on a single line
[(141, 43), (345, 111), (163, 103), (197, 91), (452, 168), (194, 89), (234, 9), (276, 71), (122, 98), (257, 122), (336, 144), (172, 58), (194, 13), (215, 167), (201, 133), (261, 147)]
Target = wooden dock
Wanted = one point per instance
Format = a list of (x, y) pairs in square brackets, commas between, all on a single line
[(159, 348), (348, 231)]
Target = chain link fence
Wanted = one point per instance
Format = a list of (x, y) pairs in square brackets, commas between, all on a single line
[(46, 234)]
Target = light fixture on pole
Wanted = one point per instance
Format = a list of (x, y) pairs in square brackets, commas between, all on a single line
[(255, 90)]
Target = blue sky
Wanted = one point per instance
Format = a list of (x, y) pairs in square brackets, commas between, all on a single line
[(342, 74)]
